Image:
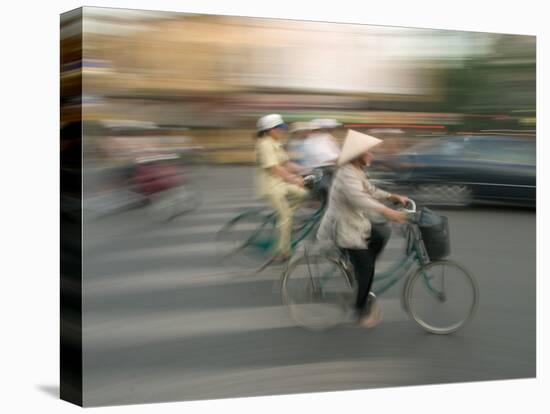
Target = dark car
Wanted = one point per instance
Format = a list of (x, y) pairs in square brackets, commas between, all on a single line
[(462, 170)]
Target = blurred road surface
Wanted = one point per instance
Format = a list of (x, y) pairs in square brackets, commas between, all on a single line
[(165, 320)]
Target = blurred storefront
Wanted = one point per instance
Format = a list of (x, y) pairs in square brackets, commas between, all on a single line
[(216, 74)]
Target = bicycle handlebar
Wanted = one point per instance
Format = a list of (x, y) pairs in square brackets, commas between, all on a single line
[(412, 210), (310, 179)]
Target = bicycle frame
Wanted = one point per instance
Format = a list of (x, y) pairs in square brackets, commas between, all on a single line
[(393, 275), (264, 245), (305, 229), (383, 281), (270, 220), (324, 273)]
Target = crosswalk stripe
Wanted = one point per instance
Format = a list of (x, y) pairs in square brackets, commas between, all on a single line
[(243, 205), (213, 248), (136, 282), (212, 215), (196, 230), (179, 324)]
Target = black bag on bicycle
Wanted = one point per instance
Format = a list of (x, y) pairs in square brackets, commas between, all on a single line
[(435, 233)]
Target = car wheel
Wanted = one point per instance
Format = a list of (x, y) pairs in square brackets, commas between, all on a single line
[(444, 194)]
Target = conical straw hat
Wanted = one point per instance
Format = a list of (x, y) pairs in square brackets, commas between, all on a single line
[(356, 144)]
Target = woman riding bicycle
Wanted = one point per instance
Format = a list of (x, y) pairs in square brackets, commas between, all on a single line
[(354, 217), (278, 179)]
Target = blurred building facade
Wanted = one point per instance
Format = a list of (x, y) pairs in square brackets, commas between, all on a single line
[(217, 74)]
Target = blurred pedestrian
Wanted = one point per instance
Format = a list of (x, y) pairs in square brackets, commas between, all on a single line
[(279, 181), (320, 147), (321, 152), (354, 218), (299, 133)]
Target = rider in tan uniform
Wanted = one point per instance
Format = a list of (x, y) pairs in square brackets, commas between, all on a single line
[(278, 181)]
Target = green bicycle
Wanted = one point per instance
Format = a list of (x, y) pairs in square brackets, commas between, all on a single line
[(441, 296), (250, 238)]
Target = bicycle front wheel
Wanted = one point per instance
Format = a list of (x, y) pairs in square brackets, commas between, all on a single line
[(441, 297), (318, 292)]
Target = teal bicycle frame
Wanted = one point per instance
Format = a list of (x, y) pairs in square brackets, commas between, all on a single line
[(415, 254), (265, 236), (264, 243)]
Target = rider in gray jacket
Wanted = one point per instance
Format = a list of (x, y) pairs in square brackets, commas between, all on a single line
[(354, 209)]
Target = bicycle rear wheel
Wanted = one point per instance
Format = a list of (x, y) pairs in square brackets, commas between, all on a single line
[(441, 297), (318, 291), (162, 206), (188, 199), (249, 239), (169, 204)]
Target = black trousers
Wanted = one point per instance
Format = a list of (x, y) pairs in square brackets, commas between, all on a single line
[(363, 261)]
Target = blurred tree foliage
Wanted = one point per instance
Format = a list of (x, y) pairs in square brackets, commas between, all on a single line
[(501, 84)]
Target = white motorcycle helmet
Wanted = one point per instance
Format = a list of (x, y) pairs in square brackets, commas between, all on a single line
[(267, 122)]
